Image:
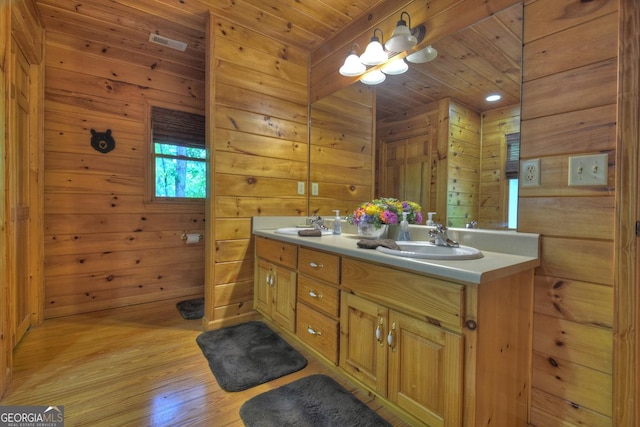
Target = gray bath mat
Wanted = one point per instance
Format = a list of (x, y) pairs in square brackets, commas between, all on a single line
[(316, 400), (191, 309), (245, 355)]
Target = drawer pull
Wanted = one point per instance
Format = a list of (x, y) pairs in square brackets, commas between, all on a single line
[(313, 332), (315, 265), (314, 294)]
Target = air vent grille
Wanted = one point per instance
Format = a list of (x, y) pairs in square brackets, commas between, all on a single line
[(164, 41)]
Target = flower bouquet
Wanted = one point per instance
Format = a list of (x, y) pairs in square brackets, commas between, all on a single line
[(377, 214)]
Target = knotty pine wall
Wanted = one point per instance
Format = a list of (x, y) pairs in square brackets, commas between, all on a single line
[(493, 201), (569, 108), (259, 139), (342, 158), (105, 246)]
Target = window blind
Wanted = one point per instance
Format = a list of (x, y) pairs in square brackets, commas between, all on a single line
[(177, 127), (512, 164)]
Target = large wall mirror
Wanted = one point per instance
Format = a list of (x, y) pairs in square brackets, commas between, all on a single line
[(438, 140)]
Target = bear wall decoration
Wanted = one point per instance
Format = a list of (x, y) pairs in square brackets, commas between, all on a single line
[(102, 141)]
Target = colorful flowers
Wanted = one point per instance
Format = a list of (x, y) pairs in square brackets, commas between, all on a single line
[(386, 210)]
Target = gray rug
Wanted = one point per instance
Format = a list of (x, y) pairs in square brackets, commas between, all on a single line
[(191, 309), (316, 400), (245, 355)]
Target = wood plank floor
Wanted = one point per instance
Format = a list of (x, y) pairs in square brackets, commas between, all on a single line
[(135, 366)]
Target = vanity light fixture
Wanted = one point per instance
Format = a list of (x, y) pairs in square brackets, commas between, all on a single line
[(493, 97), (374, 54), (424, 55), (352, 66), (402, 38), (396, 66), (374, 77)]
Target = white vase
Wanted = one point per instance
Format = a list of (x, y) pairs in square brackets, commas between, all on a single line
[(369, 231)]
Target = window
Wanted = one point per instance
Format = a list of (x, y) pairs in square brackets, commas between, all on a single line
[(178, 155), (512, 172)]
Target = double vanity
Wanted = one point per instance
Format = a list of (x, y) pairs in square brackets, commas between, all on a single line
[(443, 342)]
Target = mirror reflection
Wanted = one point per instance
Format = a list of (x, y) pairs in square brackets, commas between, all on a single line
[(439, 141)]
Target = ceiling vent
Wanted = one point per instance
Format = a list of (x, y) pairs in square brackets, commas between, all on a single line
[(164, 41)]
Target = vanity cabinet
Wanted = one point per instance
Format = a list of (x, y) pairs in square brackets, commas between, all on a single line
[(318, 301), (275, 281), (413, 363)]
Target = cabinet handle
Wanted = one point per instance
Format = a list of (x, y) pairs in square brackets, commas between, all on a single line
[(271, 280), (313, 332), (315, 265), (314, 294), (379, 332), (390, 337)]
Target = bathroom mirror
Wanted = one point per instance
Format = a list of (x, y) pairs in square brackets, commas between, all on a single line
[(483, 59)]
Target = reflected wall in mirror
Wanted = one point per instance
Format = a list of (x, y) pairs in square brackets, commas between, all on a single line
[(438, 141)]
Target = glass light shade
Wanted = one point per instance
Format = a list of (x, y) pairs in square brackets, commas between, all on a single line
[(401, 39), (374, 53), (397, 66), (374, 77), (352, 66), (424, 55)]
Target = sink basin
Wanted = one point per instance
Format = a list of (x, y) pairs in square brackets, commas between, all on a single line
[(293, 231), (427, 250)]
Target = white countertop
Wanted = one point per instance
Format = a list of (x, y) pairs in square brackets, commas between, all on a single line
[(505, 252)]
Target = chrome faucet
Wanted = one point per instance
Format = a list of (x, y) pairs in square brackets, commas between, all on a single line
[(317, 222), (439, 237)]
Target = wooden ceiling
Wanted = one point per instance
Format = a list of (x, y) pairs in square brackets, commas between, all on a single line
[(482, 59)]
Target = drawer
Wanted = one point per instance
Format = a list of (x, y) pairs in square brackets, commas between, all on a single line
[(440, 301), (319, 295), (285, 254), (318, 264), (318, 331)]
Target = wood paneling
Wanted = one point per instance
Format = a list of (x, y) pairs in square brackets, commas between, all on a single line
[(569, 108), (259, 141), (105, 245)]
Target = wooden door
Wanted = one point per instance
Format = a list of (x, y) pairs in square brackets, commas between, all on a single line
[(283, 310), (363, 349), (19, 283), (425, 370)]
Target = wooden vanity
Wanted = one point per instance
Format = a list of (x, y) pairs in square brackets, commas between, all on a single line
[(438, 350)]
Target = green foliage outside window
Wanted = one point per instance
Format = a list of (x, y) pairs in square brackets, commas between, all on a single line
[(180, 171)]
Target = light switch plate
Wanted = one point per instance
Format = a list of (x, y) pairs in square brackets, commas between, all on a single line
[(314, 189), (589, 170), (300, 187)]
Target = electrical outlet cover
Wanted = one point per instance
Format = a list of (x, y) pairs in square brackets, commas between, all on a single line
[(530, 173)]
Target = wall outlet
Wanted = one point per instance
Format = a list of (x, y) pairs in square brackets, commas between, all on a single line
[(589, 170), (314, 189), (530, 173), (301, 187)]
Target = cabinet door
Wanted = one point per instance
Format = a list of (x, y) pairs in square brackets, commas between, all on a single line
[(283, 308), (264, 279), (425, 370), (363, 349)]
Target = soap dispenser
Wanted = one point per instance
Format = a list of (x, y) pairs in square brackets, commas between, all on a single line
[(430, 220), (403, 235), (337, 223)]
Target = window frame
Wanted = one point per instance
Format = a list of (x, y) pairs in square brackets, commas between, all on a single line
[(150, 154)]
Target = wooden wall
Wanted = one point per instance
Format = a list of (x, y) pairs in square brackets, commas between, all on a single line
[(259, 152), (569, 108), (105, 245), (493, 198), (342, 155), (463, 156)]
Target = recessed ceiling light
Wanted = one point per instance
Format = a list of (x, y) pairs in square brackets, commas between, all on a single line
[(493, 97)]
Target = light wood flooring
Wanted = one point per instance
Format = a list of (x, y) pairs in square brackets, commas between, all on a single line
[(135, 366)]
